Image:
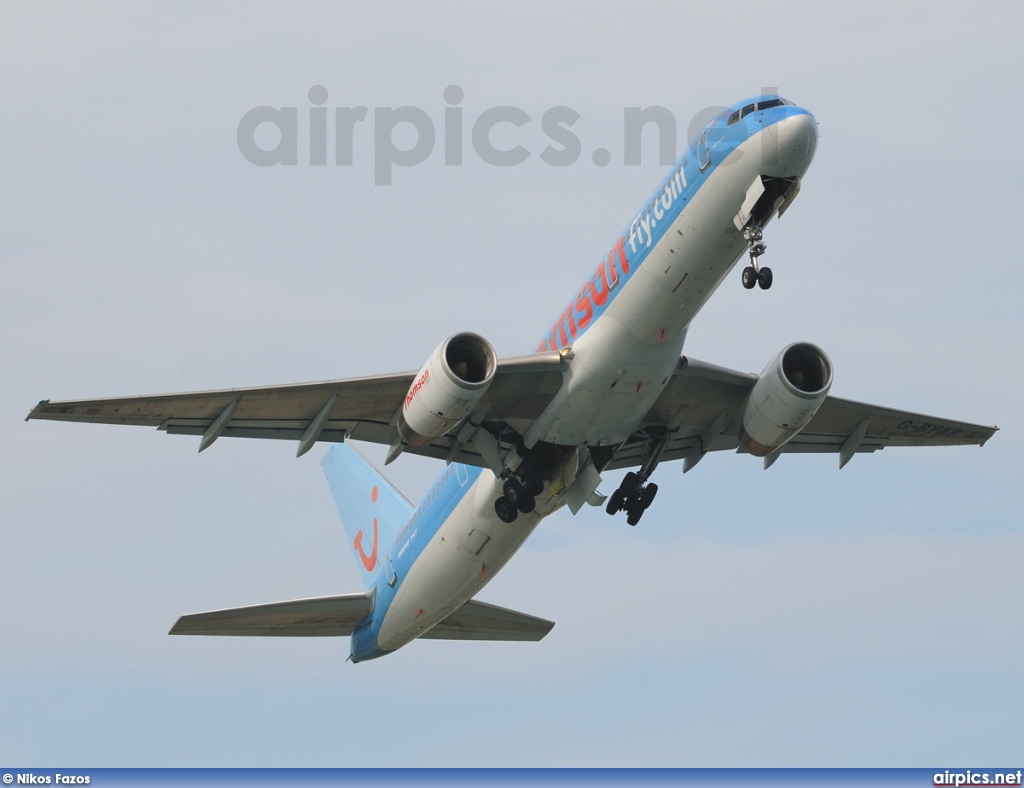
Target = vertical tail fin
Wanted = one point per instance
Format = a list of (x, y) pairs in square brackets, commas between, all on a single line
[(372, 511)]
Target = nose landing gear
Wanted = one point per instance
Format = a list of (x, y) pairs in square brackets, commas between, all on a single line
[(752, 274)]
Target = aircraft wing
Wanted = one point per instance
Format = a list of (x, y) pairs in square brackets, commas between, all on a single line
[(318, 617), (703, 406), (359, 408)]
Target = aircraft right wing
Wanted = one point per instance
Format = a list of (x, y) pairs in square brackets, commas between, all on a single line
[(359, 408)]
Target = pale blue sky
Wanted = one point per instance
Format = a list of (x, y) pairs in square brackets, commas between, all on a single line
[(799, 616)]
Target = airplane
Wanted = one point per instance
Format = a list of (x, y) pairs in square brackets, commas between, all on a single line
[(607, 388)]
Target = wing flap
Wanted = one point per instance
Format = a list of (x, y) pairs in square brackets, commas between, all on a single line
[(481, 621), (327, 616)]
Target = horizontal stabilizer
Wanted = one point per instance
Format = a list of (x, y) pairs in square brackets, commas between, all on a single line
[(480, 621), (323, 616)]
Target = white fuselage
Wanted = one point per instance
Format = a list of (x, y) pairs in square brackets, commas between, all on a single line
[(619, 367)]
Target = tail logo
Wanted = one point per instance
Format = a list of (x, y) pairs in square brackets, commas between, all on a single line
[(369, 561)]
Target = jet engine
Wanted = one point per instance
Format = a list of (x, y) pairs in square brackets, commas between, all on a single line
[(444, 392), (785, 398)]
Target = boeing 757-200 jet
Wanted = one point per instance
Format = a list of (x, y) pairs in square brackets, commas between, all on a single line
[(606, 388)]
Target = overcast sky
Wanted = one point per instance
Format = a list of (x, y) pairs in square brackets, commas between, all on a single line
[(800, 616)]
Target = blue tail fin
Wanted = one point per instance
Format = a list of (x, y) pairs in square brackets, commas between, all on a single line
[(372, 511)]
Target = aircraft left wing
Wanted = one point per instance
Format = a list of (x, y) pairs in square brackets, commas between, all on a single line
[(334, 410), (702, 408)]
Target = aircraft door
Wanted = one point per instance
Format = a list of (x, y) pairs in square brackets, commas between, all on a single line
[(389, 571), (703, 152)]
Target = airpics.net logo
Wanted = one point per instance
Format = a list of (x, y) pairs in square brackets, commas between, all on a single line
[(407, 136), (956, 779)]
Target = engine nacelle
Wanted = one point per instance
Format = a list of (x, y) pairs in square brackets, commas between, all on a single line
[(444, 392), (785, 398)]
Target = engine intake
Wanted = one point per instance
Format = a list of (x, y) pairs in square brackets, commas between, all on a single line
[(443, 393), (785, 398)]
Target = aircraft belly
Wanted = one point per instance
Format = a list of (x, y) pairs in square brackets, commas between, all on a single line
[(623, 361), (467, 551), (614, 380), (692, 258), (617, 369)]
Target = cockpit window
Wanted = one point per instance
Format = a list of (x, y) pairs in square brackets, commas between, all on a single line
[(757, 106)]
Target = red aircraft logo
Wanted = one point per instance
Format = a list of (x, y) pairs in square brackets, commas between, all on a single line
[(369, 561)]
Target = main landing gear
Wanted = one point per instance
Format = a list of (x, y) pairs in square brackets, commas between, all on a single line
[(633, 497), (520, 493), (752, 275)]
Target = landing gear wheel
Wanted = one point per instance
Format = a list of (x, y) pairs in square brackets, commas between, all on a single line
[(505, 510), (514, 491), (647, 496), (633, 515), (750, 277), (764, 278), (534, 484), (623, 497), (517, 495), (527, 503), (616, 503)]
